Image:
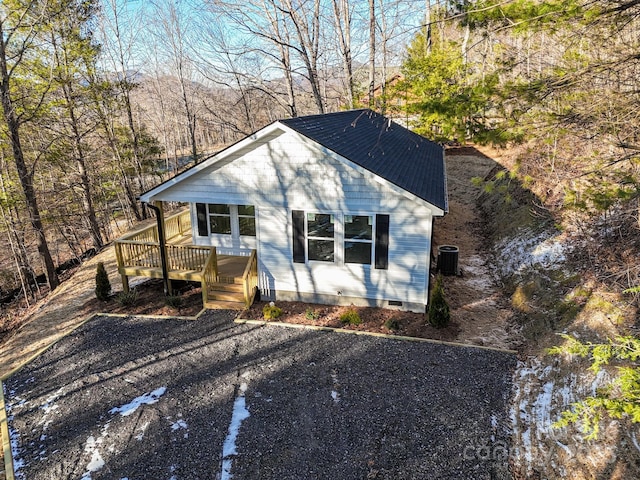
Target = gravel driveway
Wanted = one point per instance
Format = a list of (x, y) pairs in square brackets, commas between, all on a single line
[(135, 398)]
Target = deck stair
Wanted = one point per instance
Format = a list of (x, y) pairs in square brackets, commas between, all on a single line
[(226, 295), (228, 281)]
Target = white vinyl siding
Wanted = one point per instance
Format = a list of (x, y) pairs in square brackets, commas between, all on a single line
[(286, 174)]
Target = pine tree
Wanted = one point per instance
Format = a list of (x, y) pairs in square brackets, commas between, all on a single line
[(103, 286), (439, 314)]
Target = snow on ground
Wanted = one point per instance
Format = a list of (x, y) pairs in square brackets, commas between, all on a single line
[(334, 393), (476, 273), (146, 399), (527, 250), (93, 444), (180, 424), (542, 391), (240, 413), (15, 401)]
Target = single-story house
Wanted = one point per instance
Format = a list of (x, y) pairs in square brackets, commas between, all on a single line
[(336, 208)]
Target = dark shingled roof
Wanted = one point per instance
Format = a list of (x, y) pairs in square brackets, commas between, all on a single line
[(383, 147)]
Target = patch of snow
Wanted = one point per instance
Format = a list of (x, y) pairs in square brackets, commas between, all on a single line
[(49, 406), (528, 250), (542, 405), (143, 428), (476, 273), (240, 413), (146, 399), (334, 393), (18, 463), (97, 462), (178, 425)]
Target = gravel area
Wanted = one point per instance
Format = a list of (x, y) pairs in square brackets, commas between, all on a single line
[(135, 398)]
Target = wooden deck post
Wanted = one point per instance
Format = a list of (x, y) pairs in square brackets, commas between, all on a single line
[(162, 245), (120, 263)]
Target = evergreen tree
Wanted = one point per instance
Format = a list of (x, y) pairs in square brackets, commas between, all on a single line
[(103, 286), (442, 89), (439, 314)]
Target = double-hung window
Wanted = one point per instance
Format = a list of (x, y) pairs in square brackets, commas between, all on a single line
[(219, 219), (247, 220), (358, 239), (223, 219), (341, 239), (320, 237)]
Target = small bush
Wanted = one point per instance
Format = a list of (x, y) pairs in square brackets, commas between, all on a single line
[(174, 301), (311, 314), (103, 286), (271, 312), (439, 315), (392, 324), (351, 317), (126, 299)]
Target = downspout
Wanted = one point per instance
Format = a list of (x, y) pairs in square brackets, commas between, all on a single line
[(163, 251)]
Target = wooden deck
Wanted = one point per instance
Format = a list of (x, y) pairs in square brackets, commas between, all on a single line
[(227, 281)]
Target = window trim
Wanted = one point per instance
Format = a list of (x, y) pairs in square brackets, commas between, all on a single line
[(221, 215), (307, 237), (370, 241), (203, 215), (379, 239)]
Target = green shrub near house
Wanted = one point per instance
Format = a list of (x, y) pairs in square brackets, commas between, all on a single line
[(103, 286), (271, 312), (351, 317), (439, 314)]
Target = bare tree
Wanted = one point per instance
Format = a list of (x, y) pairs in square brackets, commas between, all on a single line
[(20, 25), (173, 25)]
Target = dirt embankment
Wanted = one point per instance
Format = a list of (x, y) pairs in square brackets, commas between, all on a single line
[(478, 307)]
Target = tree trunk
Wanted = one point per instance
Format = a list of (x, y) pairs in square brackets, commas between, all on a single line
[(87, 201), (342, 19), (372, 52), (26, 177)]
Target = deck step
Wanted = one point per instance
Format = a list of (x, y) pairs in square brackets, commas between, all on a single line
[(224, 305), (227, 287), (225, 295)]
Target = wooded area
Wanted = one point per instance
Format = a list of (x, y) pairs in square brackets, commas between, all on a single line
[(103, 99)]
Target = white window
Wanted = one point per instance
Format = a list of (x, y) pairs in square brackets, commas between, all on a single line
[(219, 219), (223, 219), (320, 237), (247, 220), (358, 239), (341, 239)]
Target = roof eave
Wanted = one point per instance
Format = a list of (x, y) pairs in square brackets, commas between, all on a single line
[(436, 211), (150, 195)]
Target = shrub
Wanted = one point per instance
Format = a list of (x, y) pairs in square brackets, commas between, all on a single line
[(103, 286), (126, 299), (311, 314), (392, 324), (439, 314), (271, 312), (174, 301), (351, 317)]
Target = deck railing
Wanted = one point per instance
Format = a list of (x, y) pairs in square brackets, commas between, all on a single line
[(178, 225), (174, 226), (141, 247), (137, 254), (187, 257), (209, 274), (250, 279)]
